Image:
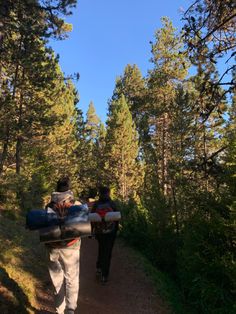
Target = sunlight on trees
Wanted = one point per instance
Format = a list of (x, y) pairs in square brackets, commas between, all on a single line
[(167, 149)]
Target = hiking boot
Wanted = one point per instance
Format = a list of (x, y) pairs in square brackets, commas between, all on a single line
[(70, 311)]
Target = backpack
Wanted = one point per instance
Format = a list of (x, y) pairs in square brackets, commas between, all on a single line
[(103, 227)]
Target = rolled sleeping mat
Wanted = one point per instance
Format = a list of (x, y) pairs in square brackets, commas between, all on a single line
[(75, 230), (40, 218), (79, 211), (50, 234), (94, 217), (112, 216), (65, 232)]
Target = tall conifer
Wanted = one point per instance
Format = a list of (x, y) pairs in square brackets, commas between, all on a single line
[(92, 122), (170, 67), (121, 149)]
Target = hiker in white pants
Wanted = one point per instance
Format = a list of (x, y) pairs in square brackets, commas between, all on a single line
[(64, 256), (64, 272)]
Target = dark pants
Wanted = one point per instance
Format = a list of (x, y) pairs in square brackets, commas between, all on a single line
[(105, 246)]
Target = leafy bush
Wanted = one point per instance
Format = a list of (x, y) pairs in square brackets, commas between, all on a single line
[(206, 263)]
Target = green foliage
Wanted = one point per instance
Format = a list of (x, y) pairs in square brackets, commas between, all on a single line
[(168, 149), (206, 263), (184, 218), (134, 226), (36, 104), (92, 122), (90, 136), (121, 150), (209, 34), (132, 85)]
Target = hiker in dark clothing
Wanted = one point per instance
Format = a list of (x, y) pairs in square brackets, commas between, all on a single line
[(105, 233)]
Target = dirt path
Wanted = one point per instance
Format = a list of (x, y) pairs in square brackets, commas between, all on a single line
[(128, 291)]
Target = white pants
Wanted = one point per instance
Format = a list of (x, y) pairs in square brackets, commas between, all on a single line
[(64, 272)]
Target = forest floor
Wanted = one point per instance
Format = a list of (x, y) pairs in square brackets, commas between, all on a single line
[(129, 289)]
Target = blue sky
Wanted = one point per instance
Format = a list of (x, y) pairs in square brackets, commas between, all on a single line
[(106, 36)]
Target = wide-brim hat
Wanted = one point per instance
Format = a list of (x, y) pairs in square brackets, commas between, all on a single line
[(59, 197)]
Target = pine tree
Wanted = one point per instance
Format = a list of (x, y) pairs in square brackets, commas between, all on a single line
[(61, 142), (82, 153), (121, 150), (99, 154), (209, 34), (27, 68), (88, 153), (132, 85), (170, 67), (28, 74), (92, 122)]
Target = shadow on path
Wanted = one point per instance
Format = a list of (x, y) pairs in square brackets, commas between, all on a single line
[(13, 289)]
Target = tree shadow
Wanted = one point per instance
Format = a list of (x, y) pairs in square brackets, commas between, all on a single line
[(17, 292), (30, 257), (45, 298)]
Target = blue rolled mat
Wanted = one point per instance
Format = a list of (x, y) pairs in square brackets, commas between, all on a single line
[(79, 211), (40, 218)]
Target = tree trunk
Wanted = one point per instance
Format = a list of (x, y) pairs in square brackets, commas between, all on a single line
[(3, 156), (123, 175), (19, 139), (175, 207), (7, 134)]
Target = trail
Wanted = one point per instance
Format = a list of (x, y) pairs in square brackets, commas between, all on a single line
[(128, 291)]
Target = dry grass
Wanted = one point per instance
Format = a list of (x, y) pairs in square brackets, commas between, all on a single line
[(22, 267)]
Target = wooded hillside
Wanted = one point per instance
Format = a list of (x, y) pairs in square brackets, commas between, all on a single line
[(167, 149)]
